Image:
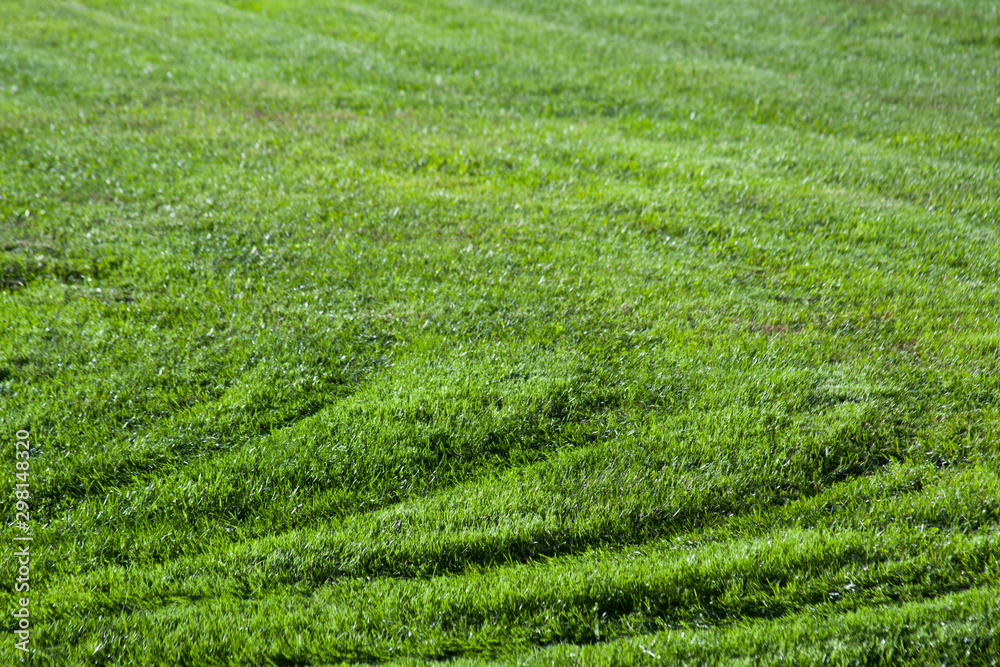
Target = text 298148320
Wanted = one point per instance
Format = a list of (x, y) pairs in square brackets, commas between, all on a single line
[(22, 546)]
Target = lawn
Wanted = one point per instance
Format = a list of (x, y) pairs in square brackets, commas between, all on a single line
[(497, 331)]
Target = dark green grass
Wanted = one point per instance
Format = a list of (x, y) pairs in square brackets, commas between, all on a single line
[(530, 332)]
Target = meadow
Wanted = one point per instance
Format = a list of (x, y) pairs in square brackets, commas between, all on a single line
[(501, 332)]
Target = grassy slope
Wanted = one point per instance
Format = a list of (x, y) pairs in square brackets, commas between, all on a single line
[(534, 331)]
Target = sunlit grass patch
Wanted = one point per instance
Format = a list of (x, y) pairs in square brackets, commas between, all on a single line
[(585, 333)]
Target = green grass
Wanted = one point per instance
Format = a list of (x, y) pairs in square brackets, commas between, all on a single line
[(502, 331)]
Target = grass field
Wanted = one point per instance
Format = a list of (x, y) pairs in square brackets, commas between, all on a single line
[(556, 332)]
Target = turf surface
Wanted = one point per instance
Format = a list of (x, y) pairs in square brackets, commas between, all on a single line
[(530, 332)]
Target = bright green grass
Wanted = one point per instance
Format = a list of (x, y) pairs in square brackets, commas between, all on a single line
[(535, 332)]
